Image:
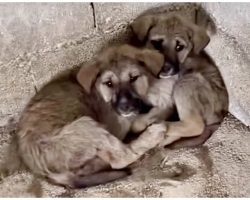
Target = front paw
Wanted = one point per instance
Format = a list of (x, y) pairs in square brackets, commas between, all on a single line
[(158, 132), (139, 125)]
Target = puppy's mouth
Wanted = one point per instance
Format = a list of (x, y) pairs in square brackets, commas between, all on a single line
[(128, 114)]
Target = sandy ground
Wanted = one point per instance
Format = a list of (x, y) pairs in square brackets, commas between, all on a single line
[(220, 168)]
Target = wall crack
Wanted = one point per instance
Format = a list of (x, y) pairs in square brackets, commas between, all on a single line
[(94, 15)]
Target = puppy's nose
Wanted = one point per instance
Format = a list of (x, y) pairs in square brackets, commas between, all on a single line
[(124, 99), (123, 104), (168, 70)]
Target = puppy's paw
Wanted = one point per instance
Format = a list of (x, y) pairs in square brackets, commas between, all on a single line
[(139, 125), (158, 132)]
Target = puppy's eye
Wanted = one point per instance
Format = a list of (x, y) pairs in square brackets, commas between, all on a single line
[(179, 46), (157, 44), (109, 84), (133, 78)]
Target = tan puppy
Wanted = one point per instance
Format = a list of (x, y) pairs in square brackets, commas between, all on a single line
[(71, 130), (200, 94)]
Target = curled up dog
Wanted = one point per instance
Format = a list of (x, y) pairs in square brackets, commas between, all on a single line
[(199, 94), (71, 130)]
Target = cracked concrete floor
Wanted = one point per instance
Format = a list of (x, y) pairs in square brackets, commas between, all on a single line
[(39, 40)]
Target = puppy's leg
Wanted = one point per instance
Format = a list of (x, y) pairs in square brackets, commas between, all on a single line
[(106, 149), (195, 141), (156, 114), (120, 155), (88, 135), (184, 128), (191, 121), (83, 140), (144, 120), (92, 166)]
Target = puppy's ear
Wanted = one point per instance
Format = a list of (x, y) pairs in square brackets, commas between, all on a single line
[(152, 59), (87, 74), (142, 25), (200, 39), (188, 46)]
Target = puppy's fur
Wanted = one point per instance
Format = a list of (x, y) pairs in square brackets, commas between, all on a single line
[(71, 130), (193, 12), (200, 94)]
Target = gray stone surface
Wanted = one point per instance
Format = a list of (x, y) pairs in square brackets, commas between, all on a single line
[(29, 27), (39, 40), (111, 16), (231, 50), (33, 38)]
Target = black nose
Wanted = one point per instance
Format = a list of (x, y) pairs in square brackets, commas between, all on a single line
[(123, 104), (168, 69), (125, 100)]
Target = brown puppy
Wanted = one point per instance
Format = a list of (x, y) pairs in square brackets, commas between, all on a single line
[(200, 94), (71, 130)]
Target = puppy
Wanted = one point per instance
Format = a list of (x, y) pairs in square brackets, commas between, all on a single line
[(199, 94), (71, 130)]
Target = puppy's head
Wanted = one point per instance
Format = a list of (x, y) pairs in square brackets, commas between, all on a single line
[(120, 77), (173, 36)]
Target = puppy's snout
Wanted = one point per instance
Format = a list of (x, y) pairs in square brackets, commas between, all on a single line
[(125, 101), (168, 70), (128, 103)]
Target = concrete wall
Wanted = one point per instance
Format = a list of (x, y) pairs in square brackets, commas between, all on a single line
[(39, 39), (231, 50)]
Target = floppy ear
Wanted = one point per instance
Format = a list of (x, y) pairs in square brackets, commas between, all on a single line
[(87, 75), (183, 54), (142, 25), (188, 46), (153, 60), (200, 39)]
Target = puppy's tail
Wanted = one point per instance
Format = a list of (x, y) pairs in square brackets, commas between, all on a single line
[(12, 161), (76, 181), (99, 178)]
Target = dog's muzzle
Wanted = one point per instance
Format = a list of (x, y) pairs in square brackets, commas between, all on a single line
[(129, 104), (168, 70)]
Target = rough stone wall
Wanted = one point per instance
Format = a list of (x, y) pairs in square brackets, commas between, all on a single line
[(39, 39), (231, 50)]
